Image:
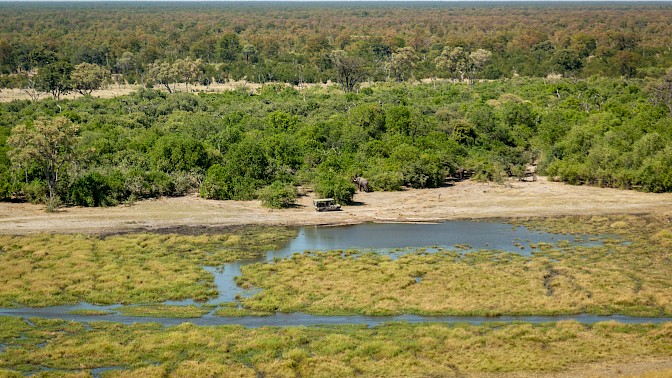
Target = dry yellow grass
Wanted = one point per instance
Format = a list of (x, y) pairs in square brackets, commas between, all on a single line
[(392, 350), (633, 279), (41, 270)]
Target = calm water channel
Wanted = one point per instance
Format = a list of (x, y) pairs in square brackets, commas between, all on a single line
[(387, 238)]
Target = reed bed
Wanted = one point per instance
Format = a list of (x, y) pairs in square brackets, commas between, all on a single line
[(395, 349), (47, 270)]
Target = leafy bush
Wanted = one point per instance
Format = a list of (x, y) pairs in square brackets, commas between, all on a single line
[(35, 191), (148, 144), (6, 187), (217, 184), (277, 195), (386, 180), (184, 182), (160, 183), (330, 185), (178, 153), (91, 190)]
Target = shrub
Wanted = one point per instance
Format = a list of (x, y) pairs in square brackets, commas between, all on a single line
[(178, 153), (161, 183), (386, 180), (6, 186), (53, 203), (184, 182), (340, 189), (424, 172), (35, 191), (217, 184), (277, 195), (91, 189)]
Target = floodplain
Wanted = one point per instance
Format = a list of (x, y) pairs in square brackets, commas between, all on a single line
[(623, 269)]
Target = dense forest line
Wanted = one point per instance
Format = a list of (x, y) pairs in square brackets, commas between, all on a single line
[(602, 118), (312, 42), (239, 145)]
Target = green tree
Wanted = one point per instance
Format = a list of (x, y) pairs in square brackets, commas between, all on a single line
[(567, 60), (5, 166), (55, 78), (178, 153), (229, 47), (278, 195), (350, 70), (245, 170), (331, 185), (398, 120), (91, 189), (217, 184), (48, 143)]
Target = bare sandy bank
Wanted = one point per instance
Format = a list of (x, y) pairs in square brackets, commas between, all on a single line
[(464, 200)]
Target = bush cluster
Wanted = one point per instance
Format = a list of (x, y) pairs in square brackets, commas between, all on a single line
[(232, 145)]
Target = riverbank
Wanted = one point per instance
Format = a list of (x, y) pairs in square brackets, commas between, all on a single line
[(464, 200)]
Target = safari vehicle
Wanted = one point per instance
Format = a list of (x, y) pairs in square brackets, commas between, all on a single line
[(326, 204)]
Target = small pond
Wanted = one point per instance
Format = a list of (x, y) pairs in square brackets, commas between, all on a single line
[(395, 239), (383, 237)]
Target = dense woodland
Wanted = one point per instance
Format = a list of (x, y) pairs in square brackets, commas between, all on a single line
[(294, 42), (604, 122)]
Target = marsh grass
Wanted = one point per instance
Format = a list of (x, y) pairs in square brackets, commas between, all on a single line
[(632, 278), (46, 270), (90, 312), (234, 309), (165, 311), (335, 351)]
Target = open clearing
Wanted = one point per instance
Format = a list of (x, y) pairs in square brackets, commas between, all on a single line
[(114, 90), (464, 200)]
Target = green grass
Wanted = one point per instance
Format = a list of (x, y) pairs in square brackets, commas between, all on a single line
[(90, 312), (232, 309), (333, 351), (634, 279), (47, 270), (165, 311)]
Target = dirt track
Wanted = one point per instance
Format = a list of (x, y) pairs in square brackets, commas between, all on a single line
[(464, 200)]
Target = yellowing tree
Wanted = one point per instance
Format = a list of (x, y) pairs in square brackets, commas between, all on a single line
[(162, 73), (402, 62), (477, 61), (455, 61), (88, 77), (187, 70)]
